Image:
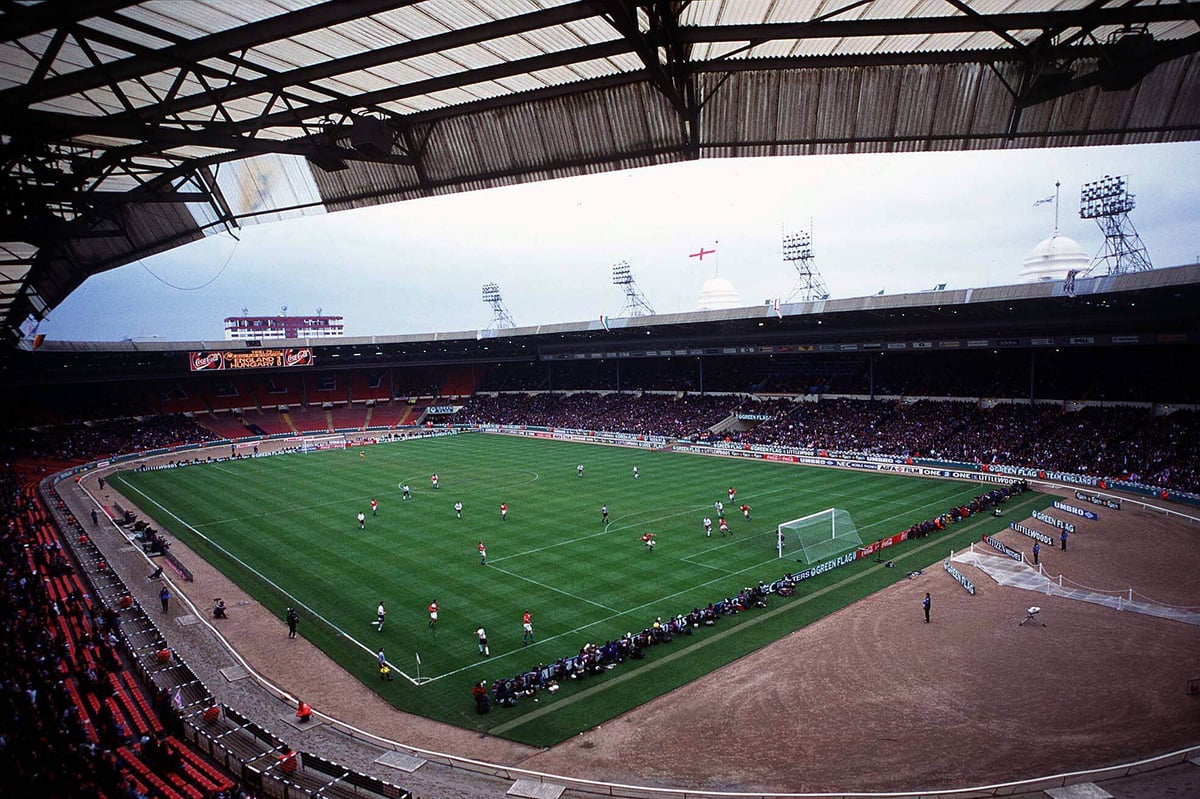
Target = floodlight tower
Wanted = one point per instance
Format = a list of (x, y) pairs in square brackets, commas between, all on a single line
[(635, 302), (500, 316), (1109, 202), (797, 248)]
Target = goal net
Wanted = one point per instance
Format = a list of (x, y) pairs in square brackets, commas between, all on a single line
[(315, 443), (818, 536)]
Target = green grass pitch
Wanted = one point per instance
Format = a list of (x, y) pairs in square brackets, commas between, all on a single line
[(285, 529)]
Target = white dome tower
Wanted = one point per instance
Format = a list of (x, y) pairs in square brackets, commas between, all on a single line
[(718, 294), (1057, 257), (1053, 258)]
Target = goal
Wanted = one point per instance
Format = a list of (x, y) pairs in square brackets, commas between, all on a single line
[(314, 443), (818, 536)]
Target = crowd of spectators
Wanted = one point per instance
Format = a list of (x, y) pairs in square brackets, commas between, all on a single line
[(1113, 442), (61, 736), (676, 415), (992, 499), (87, 441), (593, 659)]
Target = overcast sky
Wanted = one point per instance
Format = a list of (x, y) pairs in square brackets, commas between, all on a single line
[(896, 223)]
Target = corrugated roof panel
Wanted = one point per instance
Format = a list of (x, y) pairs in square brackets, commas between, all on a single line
[(460, 96), (434, 65), (417, 22), (506, 48), (558, 37), (794, 10), (742, 12), (184, 21), (1184, 73), (330, 43), (398, 73), (520, 83), (839, 96), (953, 108), (875, 110), (281, 56), (115, 27), (591, 31)]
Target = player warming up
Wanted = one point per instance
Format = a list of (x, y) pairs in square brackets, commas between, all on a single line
[(527, 628)]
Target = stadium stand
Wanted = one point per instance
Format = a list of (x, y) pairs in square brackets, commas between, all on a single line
[(348, 417)]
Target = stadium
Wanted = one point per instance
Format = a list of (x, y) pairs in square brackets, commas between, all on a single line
[(867, 452)]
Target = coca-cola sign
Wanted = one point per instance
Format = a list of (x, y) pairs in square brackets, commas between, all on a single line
[(206, 361), (250, 359)]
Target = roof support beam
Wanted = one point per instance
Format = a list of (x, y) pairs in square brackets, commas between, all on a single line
[(20, 21), (385, 55), (185, 54), (980, 23)]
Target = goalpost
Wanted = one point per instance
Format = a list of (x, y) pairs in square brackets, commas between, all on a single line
[(818, 536)]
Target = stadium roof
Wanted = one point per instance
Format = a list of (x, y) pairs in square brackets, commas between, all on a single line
[(129, 128), (1150, 308)]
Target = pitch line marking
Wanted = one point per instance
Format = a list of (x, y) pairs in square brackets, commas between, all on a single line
[(703, 642), (265, 579)]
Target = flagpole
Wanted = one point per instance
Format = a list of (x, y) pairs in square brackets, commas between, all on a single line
[(1056, 190), (418, 654)]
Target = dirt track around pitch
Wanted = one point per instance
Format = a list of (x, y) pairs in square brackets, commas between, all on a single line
[(870, 698)]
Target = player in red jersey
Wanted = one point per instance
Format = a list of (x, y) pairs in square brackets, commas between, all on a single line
[(527, 627), (504, 511), (745, 509)]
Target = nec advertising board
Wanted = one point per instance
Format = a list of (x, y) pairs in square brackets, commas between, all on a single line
[(250, 359), (1108, 502)]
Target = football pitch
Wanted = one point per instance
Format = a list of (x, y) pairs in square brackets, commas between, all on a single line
[(285, 529)]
